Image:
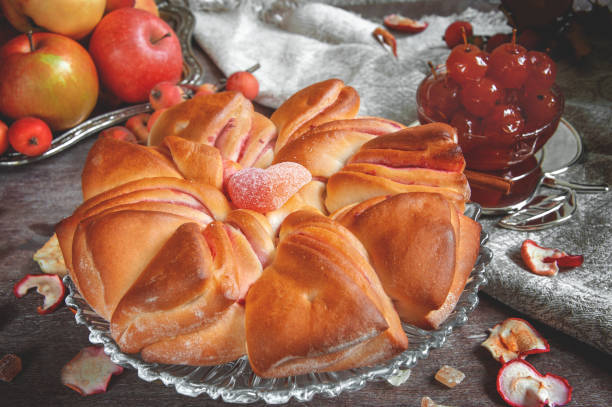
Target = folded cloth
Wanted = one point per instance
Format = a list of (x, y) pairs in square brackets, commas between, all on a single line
[(299, 43)]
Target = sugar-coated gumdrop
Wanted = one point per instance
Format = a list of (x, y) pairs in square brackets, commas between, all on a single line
[(269, 189)]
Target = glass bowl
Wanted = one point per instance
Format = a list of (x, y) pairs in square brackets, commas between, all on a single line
[(235, 382), (485, 152)]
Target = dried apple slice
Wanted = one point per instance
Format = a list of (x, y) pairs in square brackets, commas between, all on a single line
[(521, 385), (49, 285), (89, 371), (400, 23), (514, 338), (546, 261)]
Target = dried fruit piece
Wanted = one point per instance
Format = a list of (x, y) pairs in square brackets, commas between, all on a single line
[(449, 376), (49, 285), (521, 385), (10, 366), (514, 338), (50, 258), (269, 189), (404, 24), (384, 37), (545, 261), (427, 402), (89, 371)]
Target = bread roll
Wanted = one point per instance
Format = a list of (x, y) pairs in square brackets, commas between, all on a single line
[(193, 280), (318, 304), (312, 106), (111, 163), (422, 249)]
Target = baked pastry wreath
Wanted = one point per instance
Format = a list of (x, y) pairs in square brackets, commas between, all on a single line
[(322, 283)]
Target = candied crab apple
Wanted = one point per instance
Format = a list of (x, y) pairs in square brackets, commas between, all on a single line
[(514, 338), (546, 261), (89, 371), (454, 33), (49, 285), (521, 385)]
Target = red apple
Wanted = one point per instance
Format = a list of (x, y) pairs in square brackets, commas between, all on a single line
[(147, 5), (4, 143), (73, 18), (52, 78), (30, 136), (134, 50)]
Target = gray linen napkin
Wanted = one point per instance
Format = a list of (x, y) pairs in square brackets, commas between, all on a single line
[(298, 44)]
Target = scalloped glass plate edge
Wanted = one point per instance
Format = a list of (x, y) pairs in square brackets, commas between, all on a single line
[(182, 20), (221, 381)]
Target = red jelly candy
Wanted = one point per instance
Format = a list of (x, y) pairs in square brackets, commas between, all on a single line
[(269, 189)]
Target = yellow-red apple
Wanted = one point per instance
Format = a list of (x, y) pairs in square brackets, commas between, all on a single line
[(134, 50), (52, 78), (73, 18)]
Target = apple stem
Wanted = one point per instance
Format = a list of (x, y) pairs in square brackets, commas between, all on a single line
[(31, 41), (433, 69), (166, 35), (33, 141), (465, 41)]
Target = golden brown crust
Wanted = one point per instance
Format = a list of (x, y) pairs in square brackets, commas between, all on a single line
[(323, 153), (299, 112), (192, 279), (197, 162), (111, 163), (347, 187), (216, 343), (221, 120), (111, 250), (421, 249), (258, 150), (201, 203), (315, 302)]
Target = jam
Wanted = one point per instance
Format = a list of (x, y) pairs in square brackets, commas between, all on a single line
[(499, 130)]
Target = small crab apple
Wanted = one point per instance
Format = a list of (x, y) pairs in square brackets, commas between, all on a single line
[(30, 136), (49, 285), (119, 133), (138, 125), (454, 34), (243, 82), (521, 385), (154, 118), (166, 94), (404, 24), (514, 338), (4, 141), (546, 261), (89, 371), (205, 89)]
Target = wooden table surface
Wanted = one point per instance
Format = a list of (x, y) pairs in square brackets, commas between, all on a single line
[(34, 198)]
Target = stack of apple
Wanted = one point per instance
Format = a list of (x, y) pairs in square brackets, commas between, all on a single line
[(50, 80)]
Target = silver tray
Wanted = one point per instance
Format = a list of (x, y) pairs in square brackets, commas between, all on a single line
[(235, 382), (182, 22)]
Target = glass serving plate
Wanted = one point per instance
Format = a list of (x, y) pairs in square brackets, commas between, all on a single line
[(235, 382), (182, 22)]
